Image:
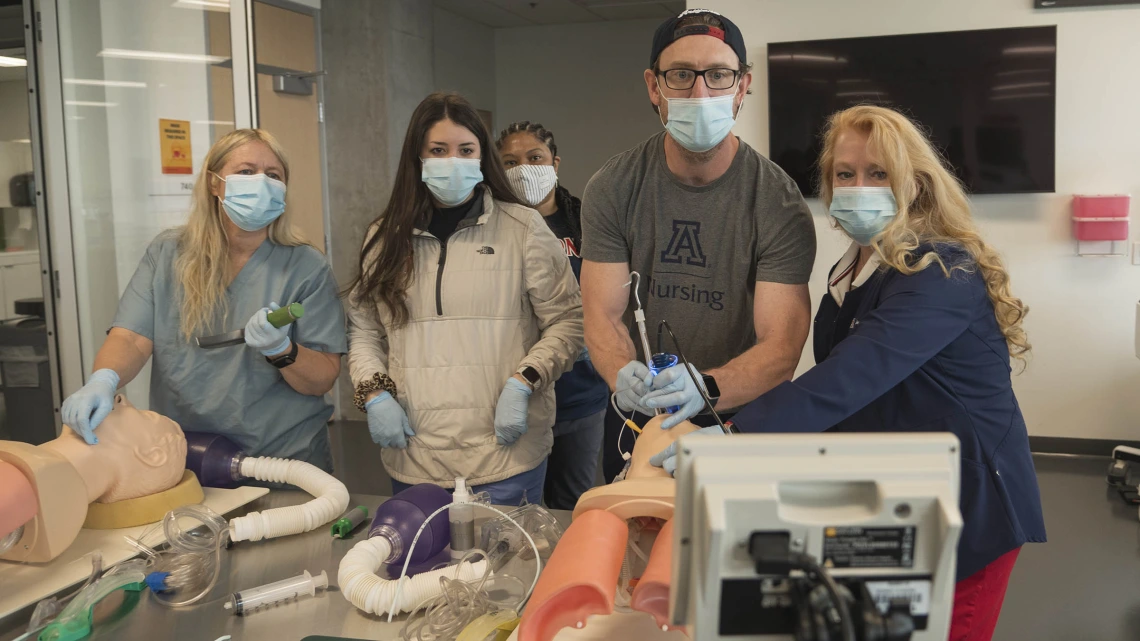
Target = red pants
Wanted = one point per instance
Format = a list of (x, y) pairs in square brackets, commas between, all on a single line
[(978, 599)]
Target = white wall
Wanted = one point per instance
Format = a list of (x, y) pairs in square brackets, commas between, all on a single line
[(464, 58), (1083, 377), (584, 83)]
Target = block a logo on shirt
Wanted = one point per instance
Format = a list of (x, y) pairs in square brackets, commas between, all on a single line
[(486, 250), (685, 246)]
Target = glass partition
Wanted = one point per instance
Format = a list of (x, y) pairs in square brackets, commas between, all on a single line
[(147, 87)]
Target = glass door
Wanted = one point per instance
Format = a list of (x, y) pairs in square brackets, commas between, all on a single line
[(147, 86)]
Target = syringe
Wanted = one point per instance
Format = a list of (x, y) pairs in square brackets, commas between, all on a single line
[(247, 601)]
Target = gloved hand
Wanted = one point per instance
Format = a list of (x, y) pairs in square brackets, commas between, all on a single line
[(633, 383), (262, 336), (510, 413), (675, 388), (84, 410), (667, 458), (387, 422)]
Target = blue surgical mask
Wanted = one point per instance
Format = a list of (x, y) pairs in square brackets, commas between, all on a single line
[(699, 124), (863, 212), (253, 202), (451, 180)]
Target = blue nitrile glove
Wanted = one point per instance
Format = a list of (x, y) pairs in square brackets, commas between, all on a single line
[(387, 422), (264, 337), (667, 458), (510, 413), (675, 388), (84, 410), (633, 382)]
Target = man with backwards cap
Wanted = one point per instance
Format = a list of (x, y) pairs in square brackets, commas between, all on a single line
[(720, 235)]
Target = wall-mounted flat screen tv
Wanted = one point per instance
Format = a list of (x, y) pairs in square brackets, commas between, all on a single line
[(987, 99)]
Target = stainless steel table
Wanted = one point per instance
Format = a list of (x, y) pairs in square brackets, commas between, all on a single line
[(248, 565)]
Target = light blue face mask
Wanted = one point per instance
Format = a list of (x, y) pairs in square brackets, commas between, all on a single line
[(863, 212), (451, 179), (699, 124), (253, 202)]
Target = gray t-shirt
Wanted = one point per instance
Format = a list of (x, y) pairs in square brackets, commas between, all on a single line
[(700, 250), (233, 391)]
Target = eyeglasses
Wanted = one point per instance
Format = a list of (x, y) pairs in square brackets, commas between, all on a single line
[(680, 79)]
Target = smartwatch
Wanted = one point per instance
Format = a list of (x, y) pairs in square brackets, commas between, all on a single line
[(284, 360), (711, 388), (531, 375)]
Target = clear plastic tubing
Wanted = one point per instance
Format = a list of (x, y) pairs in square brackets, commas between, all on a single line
[(461, 516), (247, 601)]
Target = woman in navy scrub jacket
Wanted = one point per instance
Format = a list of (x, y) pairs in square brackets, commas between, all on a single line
[(916, 334)]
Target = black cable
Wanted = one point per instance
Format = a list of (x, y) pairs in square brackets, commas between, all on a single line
[(664, 325), (808, 564)]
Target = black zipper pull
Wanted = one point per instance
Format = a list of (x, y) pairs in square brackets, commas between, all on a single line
[(439, 279)]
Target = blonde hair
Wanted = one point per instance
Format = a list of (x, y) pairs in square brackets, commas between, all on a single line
[(203, 263), (933, 210)]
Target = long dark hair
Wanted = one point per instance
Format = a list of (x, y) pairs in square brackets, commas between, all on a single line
[(386, 279)]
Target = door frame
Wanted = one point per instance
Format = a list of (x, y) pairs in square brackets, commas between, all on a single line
[(47, 264), (307, 7), (45, 91)]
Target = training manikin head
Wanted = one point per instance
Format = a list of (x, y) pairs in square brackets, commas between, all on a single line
[(139, 453)]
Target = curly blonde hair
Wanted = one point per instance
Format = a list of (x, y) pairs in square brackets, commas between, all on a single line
[(933, 209)]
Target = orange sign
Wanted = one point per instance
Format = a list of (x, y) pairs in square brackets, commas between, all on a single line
[(174, 138)]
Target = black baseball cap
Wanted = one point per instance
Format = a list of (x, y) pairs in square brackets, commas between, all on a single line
[(668, 33)]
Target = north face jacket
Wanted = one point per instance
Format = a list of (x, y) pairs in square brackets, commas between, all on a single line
[(498, 296)]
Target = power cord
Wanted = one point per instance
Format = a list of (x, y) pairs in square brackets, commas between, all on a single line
[(809, 565), (772, 554)]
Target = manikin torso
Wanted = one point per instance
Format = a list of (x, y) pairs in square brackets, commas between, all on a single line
[(581, 578)]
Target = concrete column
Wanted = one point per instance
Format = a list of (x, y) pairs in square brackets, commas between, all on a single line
[(378, 54)]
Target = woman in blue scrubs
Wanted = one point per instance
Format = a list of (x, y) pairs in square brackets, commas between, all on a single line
[(915, 334), (236, 258)]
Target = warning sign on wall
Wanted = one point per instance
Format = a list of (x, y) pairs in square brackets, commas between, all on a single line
[(174, 138)]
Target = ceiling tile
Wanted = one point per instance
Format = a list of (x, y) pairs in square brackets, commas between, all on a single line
[(548, 11), (627, 10), (484, 12)]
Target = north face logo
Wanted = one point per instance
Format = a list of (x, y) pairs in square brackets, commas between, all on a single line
[(685, 245), (485, 249)]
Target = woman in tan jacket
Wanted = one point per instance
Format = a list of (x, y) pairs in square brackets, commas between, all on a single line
[(464, 314)]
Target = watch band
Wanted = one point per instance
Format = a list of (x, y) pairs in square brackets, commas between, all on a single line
[(285, 360), (531, 375), (712, 389)]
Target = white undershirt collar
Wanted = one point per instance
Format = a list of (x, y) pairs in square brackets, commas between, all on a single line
[(843, 278)]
